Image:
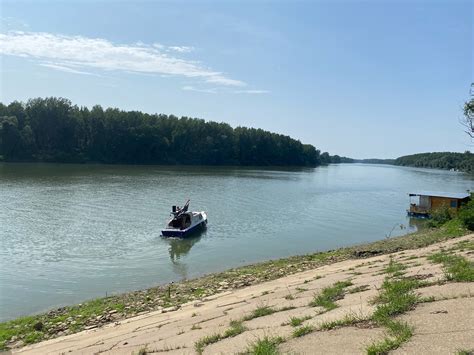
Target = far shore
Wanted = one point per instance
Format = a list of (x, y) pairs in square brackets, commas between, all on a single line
[(171, 297)]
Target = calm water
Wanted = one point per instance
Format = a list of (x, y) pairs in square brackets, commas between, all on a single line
[(74, 232)]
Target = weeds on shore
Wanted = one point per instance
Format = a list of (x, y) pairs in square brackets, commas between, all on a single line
[(398, 333), (263, 311), (394, 268), (329, 295), (265, 346), (396, 297), (297, 321), (360, 288), (349, 319), (299, 332), (236, 328), (465, 352), (260, 311), (456, 267)]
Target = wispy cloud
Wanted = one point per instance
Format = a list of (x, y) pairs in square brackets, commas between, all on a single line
[(223, 90), (192, 88), (252, 92), (181, 49), (77, 54), (66, 69)]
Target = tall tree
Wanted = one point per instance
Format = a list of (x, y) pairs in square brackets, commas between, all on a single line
[(468, 120)]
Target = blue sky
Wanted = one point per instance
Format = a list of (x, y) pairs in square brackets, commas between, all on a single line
[(356, 78)]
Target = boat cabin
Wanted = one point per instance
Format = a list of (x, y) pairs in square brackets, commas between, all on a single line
[(182, 221), (423, 202)]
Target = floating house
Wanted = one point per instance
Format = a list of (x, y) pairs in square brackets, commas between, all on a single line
[(423, 202)]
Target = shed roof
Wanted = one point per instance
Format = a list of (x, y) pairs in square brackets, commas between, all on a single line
[(454, 195)]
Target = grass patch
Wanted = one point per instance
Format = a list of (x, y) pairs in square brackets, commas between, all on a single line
[(329, 295), (207, 340), (301, 331), (397, 334), (357, 289), (396, 297), (456, 267), (263, 311), (394, 268), (265, 346), (260, 311), (465, 352), (297, 321), (349, 319), (465, 245), (236, 328)]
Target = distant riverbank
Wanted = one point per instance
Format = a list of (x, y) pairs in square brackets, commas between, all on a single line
[(167, 298)]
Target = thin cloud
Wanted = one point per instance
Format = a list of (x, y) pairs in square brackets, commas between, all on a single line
[(80, 53), (181, 49), (192, 88), (66, 69), (251, 91)]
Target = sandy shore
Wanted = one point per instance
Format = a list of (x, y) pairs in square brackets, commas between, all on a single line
[(444, 324)]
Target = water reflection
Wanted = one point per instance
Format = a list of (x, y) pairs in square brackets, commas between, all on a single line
[(181, 246), (178, 248), (417, 223)]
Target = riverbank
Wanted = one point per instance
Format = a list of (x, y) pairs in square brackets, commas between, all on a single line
[(97, 313), (405, 301)]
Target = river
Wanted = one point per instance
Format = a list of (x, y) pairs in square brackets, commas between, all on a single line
[(74, 232)]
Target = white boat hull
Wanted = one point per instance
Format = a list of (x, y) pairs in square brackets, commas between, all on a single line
[(198, 222)]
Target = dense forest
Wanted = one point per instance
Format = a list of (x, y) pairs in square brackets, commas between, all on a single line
[(336, 159), (375, 161), (442, 160), (55, 130)]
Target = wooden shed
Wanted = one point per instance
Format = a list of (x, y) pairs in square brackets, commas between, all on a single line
[(423, 202)]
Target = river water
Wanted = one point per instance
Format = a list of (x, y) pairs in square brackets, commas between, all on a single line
[(74, 232)]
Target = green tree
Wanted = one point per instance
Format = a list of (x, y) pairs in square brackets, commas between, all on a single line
[(468, 120)]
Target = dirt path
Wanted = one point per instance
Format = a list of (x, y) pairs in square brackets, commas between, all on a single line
[(443, 324)]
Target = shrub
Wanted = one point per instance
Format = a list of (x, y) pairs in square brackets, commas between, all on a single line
[(466, 215), (440, 216)]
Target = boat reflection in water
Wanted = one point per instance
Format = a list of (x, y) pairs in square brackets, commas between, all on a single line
[(178, 249)]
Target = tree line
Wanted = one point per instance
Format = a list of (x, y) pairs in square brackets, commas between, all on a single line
[(54, 130), (439, 160)]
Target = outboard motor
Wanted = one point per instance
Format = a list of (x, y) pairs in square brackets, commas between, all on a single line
[(173, 208)]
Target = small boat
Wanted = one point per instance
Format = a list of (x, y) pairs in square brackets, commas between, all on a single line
[(184, 222)]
